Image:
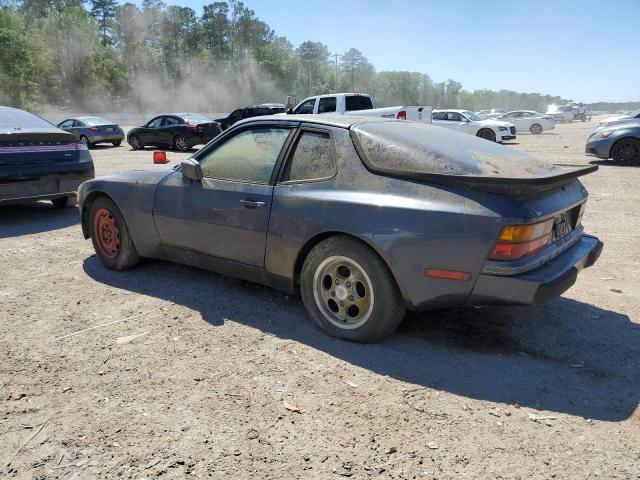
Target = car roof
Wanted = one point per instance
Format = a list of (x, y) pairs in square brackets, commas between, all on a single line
[(343, 121), (458, 110)]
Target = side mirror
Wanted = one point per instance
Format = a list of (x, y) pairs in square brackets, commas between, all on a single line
[(191, 169)]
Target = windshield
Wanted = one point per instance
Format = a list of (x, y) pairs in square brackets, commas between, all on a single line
[(14, 118), (471, 115), (96, 121), (196, 118)]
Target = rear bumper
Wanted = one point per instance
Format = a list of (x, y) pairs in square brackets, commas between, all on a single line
[(540, 285), (107, 138), (46, 187)]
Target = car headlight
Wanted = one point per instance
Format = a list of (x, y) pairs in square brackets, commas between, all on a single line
[(600, 134), (503, 129)]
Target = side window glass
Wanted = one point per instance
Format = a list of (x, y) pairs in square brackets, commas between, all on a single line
[(155, 123), (454, 117), (439, 116), (314, 158), (171, 121), (327, 104), (306, 107), (247, 157), (66, 124)]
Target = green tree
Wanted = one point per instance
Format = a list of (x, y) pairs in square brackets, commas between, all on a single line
[(104, 11)]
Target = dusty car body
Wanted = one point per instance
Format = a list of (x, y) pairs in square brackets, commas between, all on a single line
[(384, 216), (620, 143), (38, 161)]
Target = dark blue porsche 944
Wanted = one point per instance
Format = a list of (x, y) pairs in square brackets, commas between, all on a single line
[(365, 218)]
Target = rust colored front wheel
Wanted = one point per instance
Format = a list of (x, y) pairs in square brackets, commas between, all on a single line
[(107, 232), (110, 235)]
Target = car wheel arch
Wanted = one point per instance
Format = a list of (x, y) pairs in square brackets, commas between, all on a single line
[(617, 143), (315, 240), (86, 209)]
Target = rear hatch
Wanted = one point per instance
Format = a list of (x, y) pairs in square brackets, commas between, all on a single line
[(210, 129), (432, 154), (32, 152)]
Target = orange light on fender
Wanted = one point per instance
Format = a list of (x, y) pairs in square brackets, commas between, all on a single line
[(524, 233), (160, 157), (447, 274)]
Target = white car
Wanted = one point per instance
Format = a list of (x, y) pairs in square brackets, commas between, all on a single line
[(492, 113), (469, 122), (529, 121), (633, 117)]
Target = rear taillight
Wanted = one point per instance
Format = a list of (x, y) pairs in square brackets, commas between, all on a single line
[(402, 115), (518, 241), (93, 129), (191, 126)]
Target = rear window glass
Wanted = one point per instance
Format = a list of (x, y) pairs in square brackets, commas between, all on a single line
[(358, 102), (96, 121), (12, 118), (415, 148), (196, 118)]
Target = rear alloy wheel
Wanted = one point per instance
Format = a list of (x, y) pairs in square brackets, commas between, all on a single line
[(110, 236), (626, 150), (64, 202), (536, 129), (487, 134), (349, 292), (179, 143), (85, 141), (135, 142)]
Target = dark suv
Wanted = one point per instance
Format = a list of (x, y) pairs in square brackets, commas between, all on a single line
[(247, 112), (38, 161)]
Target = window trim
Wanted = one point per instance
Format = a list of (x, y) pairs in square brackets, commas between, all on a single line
[(243, 128), (292, 149)]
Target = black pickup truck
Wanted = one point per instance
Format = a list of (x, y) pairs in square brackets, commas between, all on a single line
[(39, 161)]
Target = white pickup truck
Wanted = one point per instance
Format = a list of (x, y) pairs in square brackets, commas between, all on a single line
[(361, 105)]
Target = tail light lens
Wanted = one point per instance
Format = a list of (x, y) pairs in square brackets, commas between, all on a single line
[(94, 129), (191, 126), (518, 241), (402, 115)]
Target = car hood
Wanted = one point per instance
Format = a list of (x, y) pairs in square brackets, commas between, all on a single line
[(493, 123)]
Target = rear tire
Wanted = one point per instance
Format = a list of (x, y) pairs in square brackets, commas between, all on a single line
[(487, 134), (626, 150), (180, 144), (135, 142), (65, 202), (349, 292), (117, 144), (536, 129), (110, 236), (84, 140)]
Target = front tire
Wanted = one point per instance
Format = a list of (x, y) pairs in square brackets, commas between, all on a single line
[(349, 292), (536, 129), (626, 150), (180, 143), (487, 134), (110, 236), (65, 202)]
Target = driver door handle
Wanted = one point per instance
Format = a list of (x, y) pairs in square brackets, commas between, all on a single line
[(248, 203)]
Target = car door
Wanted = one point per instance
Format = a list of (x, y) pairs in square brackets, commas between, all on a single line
[(226, 215), (168, 130), (306, 107), (67, 126), (513, 118), (151, 133)]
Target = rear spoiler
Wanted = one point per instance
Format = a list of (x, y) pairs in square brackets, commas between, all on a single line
[(504, 185)]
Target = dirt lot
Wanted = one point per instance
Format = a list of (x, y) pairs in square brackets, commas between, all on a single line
[(545, 392)]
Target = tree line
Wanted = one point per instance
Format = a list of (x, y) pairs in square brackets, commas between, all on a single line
[(102, 55)]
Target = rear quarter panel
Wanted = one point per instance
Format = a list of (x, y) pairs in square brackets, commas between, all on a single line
[(411, 225)]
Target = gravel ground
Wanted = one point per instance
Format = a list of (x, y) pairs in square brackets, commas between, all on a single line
[(176, 372)]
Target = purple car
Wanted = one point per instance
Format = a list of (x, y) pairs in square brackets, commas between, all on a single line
[(365, 218)]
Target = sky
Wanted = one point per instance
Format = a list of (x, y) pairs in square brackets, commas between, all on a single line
[(585, 50)]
